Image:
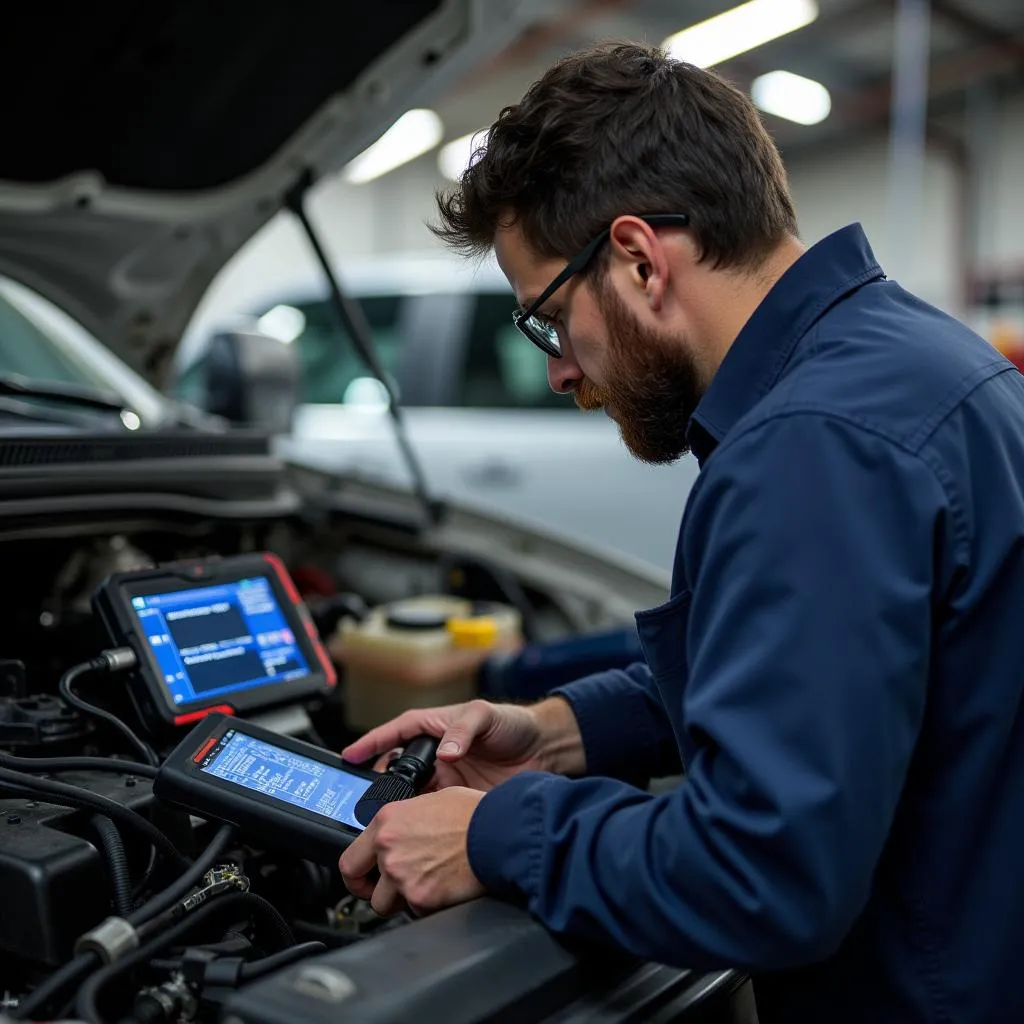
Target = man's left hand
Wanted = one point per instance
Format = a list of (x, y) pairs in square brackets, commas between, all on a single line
[(419, 848)]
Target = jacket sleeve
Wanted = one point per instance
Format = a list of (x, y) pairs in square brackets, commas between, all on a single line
[(626, 733), (809, 546)]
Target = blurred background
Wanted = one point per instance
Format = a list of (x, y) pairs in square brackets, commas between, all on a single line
[(905, 115)]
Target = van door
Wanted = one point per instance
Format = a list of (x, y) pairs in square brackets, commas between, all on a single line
[(518, 447)]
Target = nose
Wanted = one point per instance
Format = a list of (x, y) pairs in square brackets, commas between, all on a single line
[(563, 374)]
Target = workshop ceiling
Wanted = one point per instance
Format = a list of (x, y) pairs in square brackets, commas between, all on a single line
[(849, 49)]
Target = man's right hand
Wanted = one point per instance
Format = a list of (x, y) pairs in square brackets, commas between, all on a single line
[(483, 744)]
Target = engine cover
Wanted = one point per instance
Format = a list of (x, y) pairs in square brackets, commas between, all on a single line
[(52, 870), (481, 963)]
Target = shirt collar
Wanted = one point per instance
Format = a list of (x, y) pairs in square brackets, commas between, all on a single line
[(821, 277)]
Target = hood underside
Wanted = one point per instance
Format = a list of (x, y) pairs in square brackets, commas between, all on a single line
[(146, 143)]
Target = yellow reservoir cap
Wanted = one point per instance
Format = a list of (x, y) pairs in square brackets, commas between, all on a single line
[(478, 632)]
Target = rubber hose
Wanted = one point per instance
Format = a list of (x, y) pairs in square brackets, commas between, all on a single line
[(87, 1003), (177, 891), (77, 764), (87, 962), (117, 864), (259, 968), (81, 799), (31, 1007)]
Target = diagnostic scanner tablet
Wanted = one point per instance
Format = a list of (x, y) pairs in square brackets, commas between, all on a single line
[(288, 794), (229, 634)]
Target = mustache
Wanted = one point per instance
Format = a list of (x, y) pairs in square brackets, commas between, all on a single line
[(589, 397)]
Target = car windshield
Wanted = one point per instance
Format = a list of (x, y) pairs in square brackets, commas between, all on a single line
[(42, 345)]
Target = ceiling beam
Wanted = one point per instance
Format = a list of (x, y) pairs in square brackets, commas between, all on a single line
[(979, 29), (821, 31), (868, 111), (946, 74)]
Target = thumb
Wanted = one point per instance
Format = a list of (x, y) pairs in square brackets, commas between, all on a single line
[(459, 736)]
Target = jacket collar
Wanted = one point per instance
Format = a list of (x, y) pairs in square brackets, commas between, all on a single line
[(824, 275)]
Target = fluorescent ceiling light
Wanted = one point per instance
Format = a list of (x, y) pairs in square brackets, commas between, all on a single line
[(791, 96), (453, 157), (743, 28), (413, 134)]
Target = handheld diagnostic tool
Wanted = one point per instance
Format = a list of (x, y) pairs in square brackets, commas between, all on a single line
[(286, 793), (229, 634)]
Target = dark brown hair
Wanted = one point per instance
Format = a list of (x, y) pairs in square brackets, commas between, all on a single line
[(624, 129)]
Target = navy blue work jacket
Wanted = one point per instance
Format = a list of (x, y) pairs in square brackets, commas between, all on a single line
[(839, 670)]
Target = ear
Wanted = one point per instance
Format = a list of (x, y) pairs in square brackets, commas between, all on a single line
[(637, 250)]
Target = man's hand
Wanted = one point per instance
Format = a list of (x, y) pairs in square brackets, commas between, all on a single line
[(419, 848), (483, 744)]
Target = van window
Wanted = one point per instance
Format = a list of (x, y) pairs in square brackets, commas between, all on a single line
[(332, 371), (502, 369)]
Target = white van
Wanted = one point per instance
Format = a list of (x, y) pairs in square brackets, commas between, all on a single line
[(480, 414)]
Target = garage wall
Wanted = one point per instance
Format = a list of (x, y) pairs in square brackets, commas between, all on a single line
[(831, 189), (851, 185), (1003, 223)]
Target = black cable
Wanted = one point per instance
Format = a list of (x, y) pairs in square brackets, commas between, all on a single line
[(77, 764), (259, 968), (164, 965), (101, 664), (254, 968), (82, 964), (117, 864), (273, 918), (81, 799), (179, 889), (86, 1005), (31, 1006)]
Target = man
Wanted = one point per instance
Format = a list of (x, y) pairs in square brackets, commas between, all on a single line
[(840, 668)]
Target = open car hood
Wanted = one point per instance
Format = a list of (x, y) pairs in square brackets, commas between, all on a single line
[(144, 144)]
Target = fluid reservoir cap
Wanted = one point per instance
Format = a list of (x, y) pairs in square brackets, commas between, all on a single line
[(416, 618), (477, 632)]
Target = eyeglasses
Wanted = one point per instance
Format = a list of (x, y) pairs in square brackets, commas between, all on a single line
[(544, 334)]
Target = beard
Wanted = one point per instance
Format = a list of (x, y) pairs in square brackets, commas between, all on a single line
[(654, 385)]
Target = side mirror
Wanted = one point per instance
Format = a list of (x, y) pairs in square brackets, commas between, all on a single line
[(251, 379)]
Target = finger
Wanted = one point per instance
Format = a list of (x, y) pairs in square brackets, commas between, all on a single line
[(395, 733), (445, 775), (361, 856), (387, 900), (362, 888), (474, 719)]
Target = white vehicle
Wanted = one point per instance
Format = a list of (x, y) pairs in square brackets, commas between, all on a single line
[(480, 414)]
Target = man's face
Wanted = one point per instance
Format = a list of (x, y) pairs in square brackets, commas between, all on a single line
[(641, 373)]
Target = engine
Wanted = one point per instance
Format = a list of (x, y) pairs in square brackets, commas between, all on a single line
[(122, 637), (116, 905)]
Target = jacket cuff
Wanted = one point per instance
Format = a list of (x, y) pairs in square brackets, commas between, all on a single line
[(615, 724), (503, 841)]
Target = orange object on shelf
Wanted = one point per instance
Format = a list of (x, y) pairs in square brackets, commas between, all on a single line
[(1007, 337)]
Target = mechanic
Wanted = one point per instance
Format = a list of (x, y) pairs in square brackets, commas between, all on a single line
[(840, 667)]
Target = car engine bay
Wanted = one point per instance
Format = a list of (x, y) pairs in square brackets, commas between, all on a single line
[(63, 869), (84, 845)]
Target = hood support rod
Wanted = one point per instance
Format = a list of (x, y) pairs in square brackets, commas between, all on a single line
[(354, 323)]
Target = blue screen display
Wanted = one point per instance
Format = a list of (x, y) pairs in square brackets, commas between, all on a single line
[(287, 777), (216, 640)]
